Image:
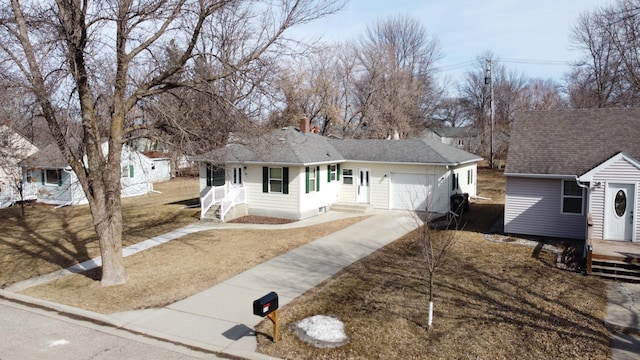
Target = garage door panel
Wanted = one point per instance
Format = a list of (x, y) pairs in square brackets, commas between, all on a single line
[(409, 191)]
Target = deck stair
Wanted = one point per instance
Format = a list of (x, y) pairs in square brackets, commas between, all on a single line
[(350, 208), (622, 268)]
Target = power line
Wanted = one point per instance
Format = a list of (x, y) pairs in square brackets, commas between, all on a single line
[(536, 62), (468, 63)]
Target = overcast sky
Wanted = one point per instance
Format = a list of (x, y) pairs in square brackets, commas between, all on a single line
[(516, 31)]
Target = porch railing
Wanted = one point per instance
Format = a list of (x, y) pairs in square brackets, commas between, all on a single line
[(212, 195), (234, 197)]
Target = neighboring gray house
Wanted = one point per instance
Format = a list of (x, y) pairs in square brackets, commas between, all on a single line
[(294, 173), (564, 165), (465, 138)]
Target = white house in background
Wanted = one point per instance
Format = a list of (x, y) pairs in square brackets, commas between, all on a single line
[(13, 149), (158, 166), (566, 165), (294, 173), (57, 184)]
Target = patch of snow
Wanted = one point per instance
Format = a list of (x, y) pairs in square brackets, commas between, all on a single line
[(58, 342), (321, 331)]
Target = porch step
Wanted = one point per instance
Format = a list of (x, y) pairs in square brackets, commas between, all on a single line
[(616, 268), (213, 214), (350, 208)]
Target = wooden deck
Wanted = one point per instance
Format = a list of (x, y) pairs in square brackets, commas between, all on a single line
[(618, 260), (618, 250)]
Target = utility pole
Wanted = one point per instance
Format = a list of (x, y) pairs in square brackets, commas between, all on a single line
[(489, 79)]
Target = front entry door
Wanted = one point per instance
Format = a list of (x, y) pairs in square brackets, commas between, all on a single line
[(236, 176), (620, 205), (363, 186)]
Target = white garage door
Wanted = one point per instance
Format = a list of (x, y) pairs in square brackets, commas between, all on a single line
[(409, 191)]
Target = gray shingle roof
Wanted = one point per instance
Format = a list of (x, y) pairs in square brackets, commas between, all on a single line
[(291, 146), (47, 157), (286, 146), (423, 151), (571, 142), (455, 132)]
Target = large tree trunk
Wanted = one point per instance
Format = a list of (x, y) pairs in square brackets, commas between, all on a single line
[(109, 230), (106, 211)]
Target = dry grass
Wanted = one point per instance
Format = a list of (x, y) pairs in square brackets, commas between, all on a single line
[(493, 301), (48, 239), (181, 268)]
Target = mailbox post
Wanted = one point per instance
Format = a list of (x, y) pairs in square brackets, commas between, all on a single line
[(268, 306)]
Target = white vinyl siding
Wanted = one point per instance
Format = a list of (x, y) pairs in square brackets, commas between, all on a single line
[(379, 183), (271, 204), (325, 193), (467, 175), (532, 207), (621, 171)]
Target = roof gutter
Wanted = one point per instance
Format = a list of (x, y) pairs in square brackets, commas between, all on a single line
[(541, 176)]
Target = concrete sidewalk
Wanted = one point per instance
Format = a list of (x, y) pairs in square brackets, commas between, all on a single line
[(221, 319), (623, 319)]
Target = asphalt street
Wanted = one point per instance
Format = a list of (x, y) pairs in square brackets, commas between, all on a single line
[(32, 333)]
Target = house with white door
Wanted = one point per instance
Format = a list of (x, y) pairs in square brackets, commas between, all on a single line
[(574, 174), (58, 184), (294, 173)]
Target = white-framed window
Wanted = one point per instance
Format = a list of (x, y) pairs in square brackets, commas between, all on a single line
[(126, 171), (333, 170), (313, 178), (572, 197), (52, 177), (469, 176), (454, 182), (275, 180), (347, 176)]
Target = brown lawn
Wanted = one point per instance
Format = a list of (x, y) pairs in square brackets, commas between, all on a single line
[(493, 301), (173, 271), (48, 239)]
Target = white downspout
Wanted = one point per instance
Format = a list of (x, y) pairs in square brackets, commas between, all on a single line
[(588, 246)]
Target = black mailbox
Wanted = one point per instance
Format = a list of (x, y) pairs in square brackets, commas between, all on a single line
[(266, 304)]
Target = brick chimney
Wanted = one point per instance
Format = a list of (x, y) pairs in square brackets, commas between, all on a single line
[(305, 125)]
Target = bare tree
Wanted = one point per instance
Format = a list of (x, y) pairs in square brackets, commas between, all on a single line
[(396, 90), (510, 88), (543, 94), (437, 234), (102, 59), (596, 80), (314, 87)]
